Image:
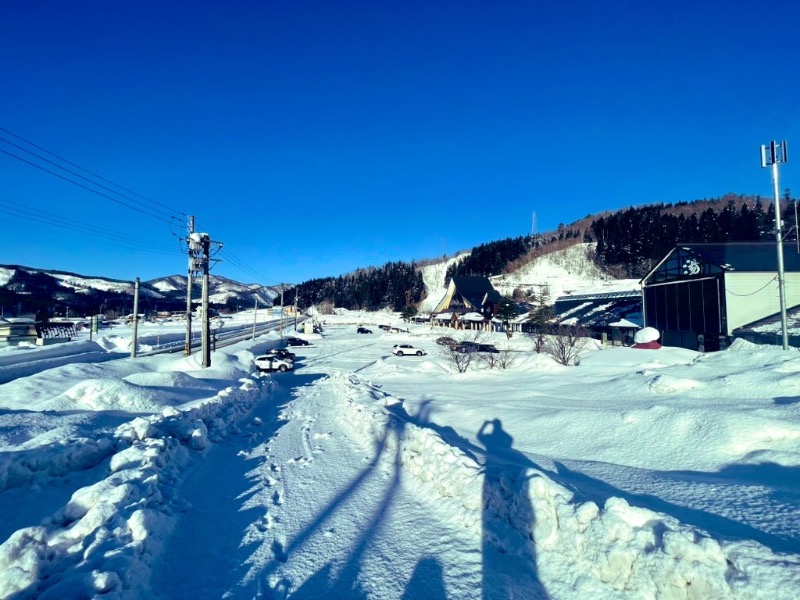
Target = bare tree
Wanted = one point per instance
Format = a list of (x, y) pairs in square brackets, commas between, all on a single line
[(564, 343), (538, 341), (501, 360), (506, 358), (459, 360)]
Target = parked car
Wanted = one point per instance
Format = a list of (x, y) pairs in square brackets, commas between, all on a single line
[(465, 347), (296, 341), (281, 353), (384, 327), (363, 330), (446, 341), (273, 363), (406, 349)]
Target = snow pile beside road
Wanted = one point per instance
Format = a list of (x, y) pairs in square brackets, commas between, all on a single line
[(579, 549), (103, 540)]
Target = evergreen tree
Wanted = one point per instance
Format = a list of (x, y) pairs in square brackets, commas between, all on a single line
[(543, 312), (507, 310)]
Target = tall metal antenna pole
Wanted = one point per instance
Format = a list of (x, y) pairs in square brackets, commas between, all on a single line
[(772, 155)]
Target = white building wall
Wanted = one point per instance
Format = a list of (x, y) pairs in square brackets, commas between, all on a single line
[(753, 296)]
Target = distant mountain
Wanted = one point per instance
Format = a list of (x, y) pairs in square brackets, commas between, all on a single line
[(27, 290), (222, 290)]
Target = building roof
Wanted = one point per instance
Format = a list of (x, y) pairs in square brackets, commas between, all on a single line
[(688, 261), (600, 312), (747, 256), (476, 289), (473, 290), (740, 256)]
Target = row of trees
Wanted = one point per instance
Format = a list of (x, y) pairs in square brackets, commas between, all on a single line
[(395, 285), (632, 240)]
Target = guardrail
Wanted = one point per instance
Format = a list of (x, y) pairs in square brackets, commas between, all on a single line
[(220, 338)]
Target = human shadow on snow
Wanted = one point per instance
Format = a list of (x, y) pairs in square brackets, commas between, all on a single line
[(219, 488), (328, 582), (507, 519)]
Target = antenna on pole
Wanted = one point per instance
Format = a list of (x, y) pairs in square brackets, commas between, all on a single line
[(771, 156)]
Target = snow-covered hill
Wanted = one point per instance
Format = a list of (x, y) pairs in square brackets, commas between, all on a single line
[(567, 271), (433, 277), (221, 289), (44, 282)]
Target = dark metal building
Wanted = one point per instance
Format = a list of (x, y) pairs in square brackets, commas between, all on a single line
[(700, 293)]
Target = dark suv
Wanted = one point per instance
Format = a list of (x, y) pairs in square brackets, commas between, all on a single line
[(281, 353), (363, 330), (465, 347)]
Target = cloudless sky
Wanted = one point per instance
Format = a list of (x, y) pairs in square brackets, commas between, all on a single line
[(313, 137)]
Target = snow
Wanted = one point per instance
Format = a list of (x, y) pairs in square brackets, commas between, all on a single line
[(433, 277), (665, 474), (5, 275), (645, 335), (567, 271)]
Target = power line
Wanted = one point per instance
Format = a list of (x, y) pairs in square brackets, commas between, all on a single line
[(85, 170), (244, 267), (86, 187), (140, 209), (62, 223)]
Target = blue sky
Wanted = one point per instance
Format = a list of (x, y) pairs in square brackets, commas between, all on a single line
[(313, 138)]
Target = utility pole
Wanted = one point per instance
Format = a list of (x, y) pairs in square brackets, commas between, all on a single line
[(295, 308), (206, 330), (135, 318), (192, 252), (255, 314), (281, 311), (773, 155), (199, 245)]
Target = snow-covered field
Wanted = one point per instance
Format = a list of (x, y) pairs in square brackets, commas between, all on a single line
[(636, 474)]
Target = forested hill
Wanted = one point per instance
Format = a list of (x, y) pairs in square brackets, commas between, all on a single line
[(629, 243)]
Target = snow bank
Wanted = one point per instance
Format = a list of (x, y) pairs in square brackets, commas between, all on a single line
[(104, 540), (581, 550)]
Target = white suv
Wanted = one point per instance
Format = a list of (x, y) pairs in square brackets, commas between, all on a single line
[(404, 349), (273, 363)]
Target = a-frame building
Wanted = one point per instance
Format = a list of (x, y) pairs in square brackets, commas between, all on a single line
[(469, 294)]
